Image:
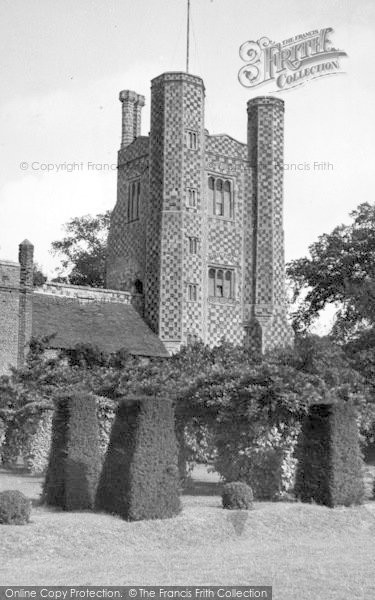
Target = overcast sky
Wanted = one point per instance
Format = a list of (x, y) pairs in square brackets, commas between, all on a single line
[(64, 63)]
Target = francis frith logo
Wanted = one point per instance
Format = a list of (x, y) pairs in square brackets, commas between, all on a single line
[(289, 63)]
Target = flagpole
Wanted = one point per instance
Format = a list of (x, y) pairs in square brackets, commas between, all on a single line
[(188, 36)]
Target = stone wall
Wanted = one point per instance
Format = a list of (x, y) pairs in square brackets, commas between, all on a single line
[(84, 294)]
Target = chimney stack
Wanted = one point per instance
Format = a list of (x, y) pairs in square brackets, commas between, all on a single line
[(132, 104)]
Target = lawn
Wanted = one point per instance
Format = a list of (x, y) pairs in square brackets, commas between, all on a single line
[(305, 552)]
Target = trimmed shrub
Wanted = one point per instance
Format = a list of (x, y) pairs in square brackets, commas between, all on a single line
[(139, 479), (75, 459), (15, 508), (330, 465), (6, 416), (237, 496)]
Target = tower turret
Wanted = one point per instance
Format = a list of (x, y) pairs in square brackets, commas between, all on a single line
[(265, 315), (176, 169)]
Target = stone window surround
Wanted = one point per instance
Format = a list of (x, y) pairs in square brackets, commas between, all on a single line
[(192, 292), (193, 244), (212, 202), (192, 137), (228, 291), (191, 198), (133, 194)]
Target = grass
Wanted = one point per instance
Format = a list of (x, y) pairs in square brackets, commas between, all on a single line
[(305, 552)]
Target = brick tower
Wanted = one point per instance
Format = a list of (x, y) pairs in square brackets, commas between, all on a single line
[(176, 167), (196, 234), (265, 313)]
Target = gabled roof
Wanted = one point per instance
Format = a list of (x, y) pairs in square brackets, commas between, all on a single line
[(110, 326)]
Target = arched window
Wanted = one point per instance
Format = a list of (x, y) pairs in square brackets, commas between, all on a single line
[(227, 200), (221, 283), (228, 284), (220, 197), (192, 140), (192, 290), (137, 200), (192, 197), (134, 194), (129, 214), (193, 245), (211, 194), (211, 282)]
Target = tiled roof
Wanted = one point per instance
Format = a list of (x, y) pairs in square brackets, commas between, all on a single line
[(110, 326)]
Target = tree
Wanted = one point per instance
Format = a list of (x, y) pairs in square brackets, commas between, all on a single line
[(340, 270), (38, 276), (83, 250)]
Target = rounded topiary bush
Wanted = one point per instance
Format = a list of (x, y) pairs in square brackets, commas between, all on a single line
[(15, 508), (237, 496)]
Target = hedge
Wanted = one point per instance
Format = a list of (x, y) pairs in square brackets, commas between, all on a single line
[(139, 479), (330, 466), (75, 460), (6, 417), (28, 434)]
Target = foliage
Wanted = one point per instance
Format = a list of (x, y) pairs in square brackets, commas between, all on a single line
[(83, 250), (257, 427), (6, 417), (329, 470), (38, 276), (75, 461), (28, 435), (139, 479), (204, 385), (237, 495), (340, 270), (86, 356), (15, 508)]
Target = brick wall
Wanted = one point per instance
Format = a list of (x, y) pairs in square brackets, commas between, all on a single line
[(226, 159), (9, 314), (126, 252)]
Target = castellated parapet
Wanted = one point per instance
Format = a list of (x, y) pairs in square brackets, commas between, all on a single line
[(197, 228)]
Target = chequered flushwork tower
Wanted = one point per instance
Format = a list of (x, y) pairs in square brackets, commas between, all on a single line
[(176, 164), (196, 234), (267, 324)]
